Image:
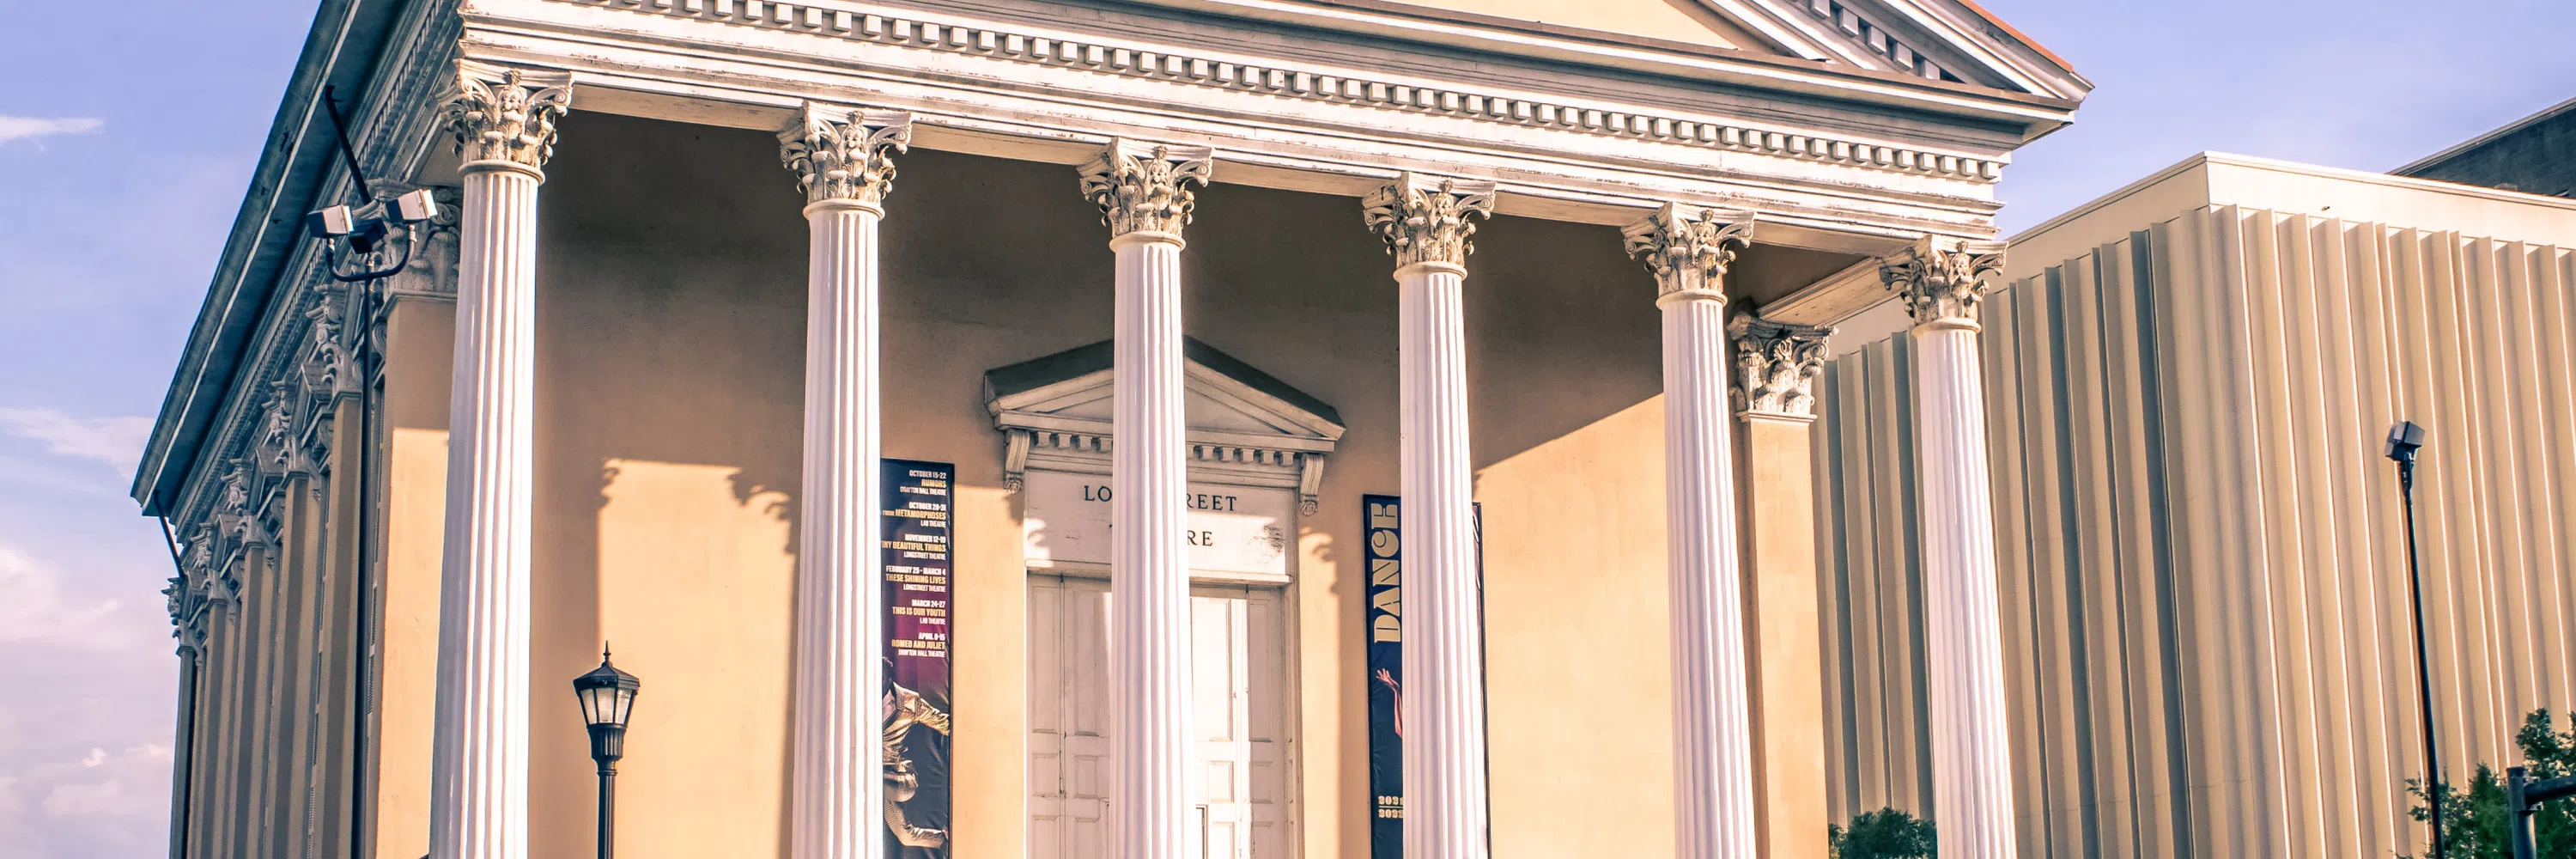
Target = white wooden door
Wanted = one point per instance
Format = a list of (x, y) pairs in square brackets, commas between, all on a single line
[(1238, 777), (1069, 711), (1236, 677)]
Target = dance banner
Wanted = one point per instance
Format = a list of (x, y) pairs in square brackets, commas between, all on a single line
[(915, 506), (1380, 526)]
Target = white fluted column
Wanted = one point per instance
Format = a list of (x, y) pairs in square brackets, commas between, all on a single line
[(1942, 280), (1689, 250), (1426, 224), (504, 122), (844, 161), (1145, 193)]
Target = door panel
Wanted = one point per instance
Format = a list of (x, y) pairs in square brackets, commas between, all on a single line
[(1068, 718), (1238, 708)]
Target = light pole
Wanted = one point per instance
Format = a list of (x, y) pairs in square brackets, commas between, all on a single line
[(2522, 796), (2403, 440), (607, 696)]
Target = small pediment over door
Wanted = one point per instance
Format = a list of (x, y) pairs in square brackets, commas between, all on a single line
[(1246, 427)]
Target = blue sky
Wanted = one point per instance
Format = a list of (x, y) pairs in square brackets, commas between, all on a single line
[(122, 164)]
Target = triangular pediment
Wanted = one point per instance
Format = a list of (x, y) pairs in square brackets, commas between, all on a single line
[(1689, 21), (1946, 40), (1227, 401), (1943, 40)]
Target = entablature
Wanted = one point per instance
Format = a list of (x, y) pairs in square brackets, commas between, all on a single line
[(1855, 169)]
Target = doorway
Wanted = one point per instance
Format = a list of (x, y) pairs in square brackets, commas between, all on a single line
[(1240, 710)]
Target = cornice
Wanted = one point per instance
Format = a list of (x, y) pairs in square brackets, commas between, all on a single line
[(1124, 57)]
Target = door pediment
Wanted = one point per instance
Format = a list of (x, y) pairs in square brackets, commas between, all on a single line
[(1246, 427)]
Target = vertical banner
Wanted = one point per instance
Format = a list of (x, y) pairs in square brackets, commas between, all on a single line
[(1380, 516), (914, 506), (1381, 527)]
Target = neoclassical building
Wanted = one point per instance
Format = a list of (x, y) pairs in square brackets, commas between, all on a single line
[(1139, 428)]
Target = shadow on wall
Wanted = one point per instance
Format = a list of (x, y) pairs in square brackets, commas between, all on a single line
[(670, 373), (671, 323)]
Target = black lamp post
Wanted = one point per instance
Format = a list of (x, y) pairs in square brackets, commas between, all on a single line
[(607, 696), (2403, 440)]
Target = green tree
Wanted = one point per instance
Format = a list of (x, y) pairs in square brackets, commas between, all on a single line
[(2474, 820), (1883, 834)]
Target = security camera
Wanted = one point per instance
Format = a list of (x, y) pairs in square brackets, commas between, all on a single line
[(331, 223), (414, 207)]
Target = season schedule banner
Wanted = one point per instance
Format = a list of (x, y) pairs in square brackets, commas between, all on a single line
[(1381, 529), (915, 507)]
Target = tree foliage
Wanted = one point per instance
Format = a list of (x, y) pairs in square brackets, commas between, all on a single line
[(2474, 820), (1883, 834)]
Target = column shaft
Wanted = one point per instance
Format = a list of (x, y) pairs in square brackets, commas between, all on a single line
[(183, 745), (1712, 740), (1444, 681), (1942, 281), (479, 759), (1971, 751), (839, 790), (503, 120), (1427, 224), (1146, 193), (844, 160), (1150, 577)]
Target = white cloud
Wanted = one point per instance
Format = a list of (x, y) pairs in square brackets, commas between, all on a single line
[(115, 441), (30, 128), (116, 806), (34, 609)]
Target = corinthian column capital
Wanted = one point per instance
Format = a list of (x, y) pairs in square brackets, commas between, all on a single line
[(1689, 248), (844, 155), (1146, 187), (1776, 365), (1428, 220), (504, 118), (1942, 278)]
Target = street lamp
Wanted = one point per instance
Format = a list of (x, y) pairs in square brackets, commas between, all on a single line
[(607, 696), (2403, 440)]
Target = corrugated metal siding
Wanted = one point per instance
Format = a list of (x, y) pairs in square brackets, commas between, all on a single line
[(2202, 542)]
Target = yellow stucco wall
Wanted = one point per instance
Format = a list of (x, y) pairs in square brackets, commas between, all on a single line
[(671, 280)]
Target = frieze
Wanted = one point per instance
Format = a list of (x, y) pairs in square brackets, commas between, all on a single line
[(1130, 61)]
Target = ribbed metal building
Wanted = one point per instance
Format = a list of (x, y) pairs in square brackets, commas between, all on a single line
[(2203, 566)]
